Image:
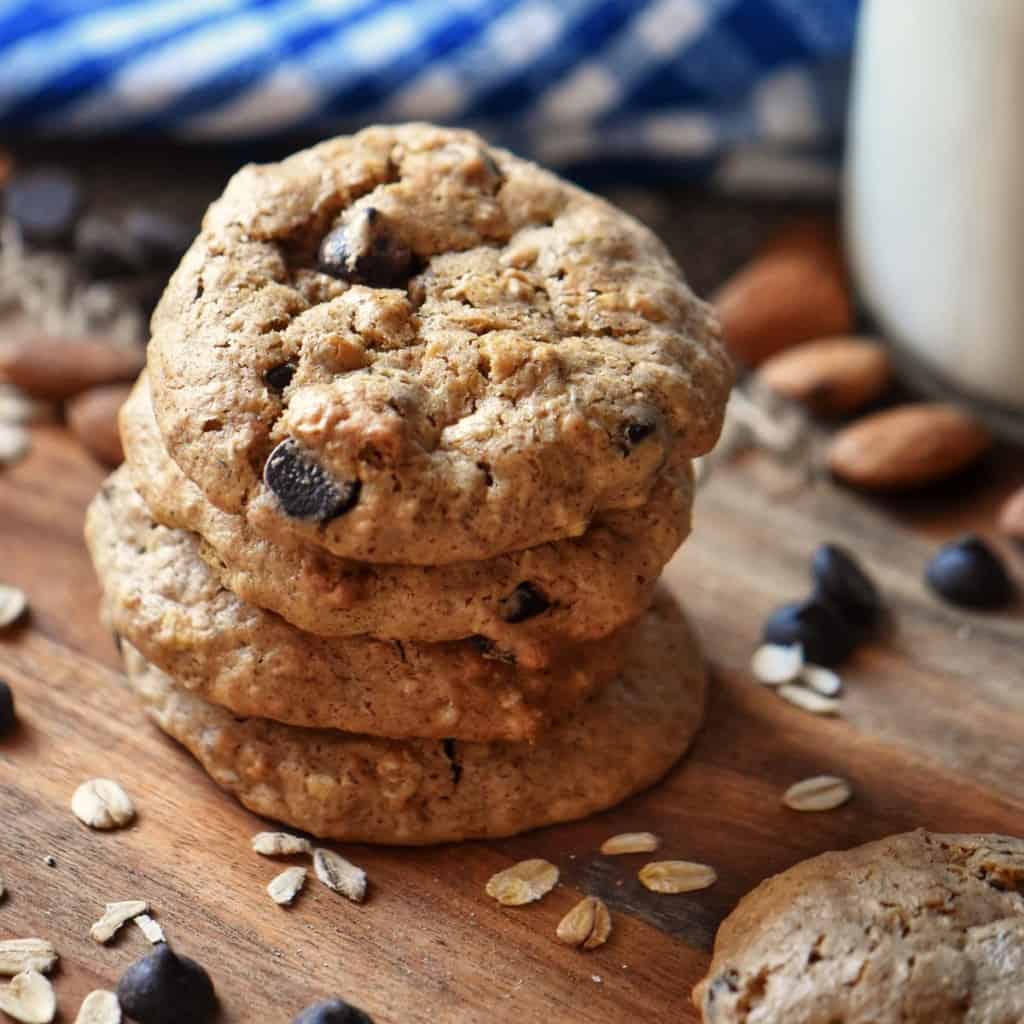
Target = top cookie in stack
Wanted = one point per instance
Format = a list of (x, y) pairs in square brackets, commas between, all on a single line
[(413, 449)]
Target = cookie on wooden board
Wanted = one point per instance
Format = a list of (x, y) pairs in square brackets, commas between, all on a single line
[(406, 346), (530, 604), (918, 928), (410, 792), (163, 598)]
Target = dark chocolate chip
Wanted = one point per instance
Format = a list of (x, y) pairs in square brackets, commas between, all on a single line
[(104, 250), (161, 238), (968, 572), (525, 602), (827, 638), (487, 648), (277, 378), (366, 251), (841, 582), (333, 1011), (8, 719), (637, 432), (303, 488), (45, 206), (451, 753), (164, 988)]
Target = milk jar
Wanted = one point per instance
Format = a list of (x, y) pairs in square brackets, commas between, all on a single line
[(934, 193)]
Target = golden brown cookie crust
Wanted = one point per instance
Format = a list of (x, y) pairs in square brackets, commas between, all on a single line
[(543, 362), (918, 928), (162, 597), (420, 791), (582, 589)]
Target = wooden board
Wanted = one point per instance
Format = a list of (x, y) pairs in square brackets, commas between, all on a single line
[(931, 735)]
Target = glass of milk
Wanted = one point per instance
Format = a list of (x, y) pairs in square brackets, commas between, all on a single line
[(934, 194)]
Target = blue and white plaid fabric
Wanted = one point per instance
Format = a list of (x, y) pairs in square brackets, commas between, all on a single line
[(745, 91)]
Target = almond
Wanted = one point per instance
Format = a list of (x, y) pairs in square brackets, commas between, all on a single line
[(1011, 515), (907, 447), (92, 417), (832, 376), (57, 368), (796, 290)]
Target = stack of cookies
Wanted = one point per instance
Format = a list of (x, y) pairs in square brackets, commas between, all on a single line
[(411, 450)]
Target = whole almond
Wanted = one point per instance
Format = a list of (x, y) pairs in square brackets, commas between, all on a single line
[(795, 291), (57, 368), (92, 417), (907, 447), (1011, 515), (832, 376)]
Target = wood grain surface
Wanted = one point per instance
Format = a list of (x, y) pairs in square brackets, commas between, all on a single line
[(931, 734)]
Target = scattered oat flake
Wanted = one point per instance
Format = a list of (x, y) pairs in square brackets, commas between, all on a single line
[(674, 876), (13, 442), (587, 925), (150, 928), (12, 604), (17, 955), (630, 842), (115, 916), (820, 793), (283, 888), (808, 700), (821, 680), (340, 875), (102, 804), (99, 1007), (524, 882), (29, 998), (775, 664), (279, 844)]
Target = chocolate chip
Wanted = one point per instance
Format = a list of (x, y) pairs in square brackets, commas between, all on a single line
[(841, 582), (487, 648), (8, 719), (637, 432), (525, 602), (451, 753), (303, 488), (366, 251), (164, 988), (968, 572), (44, 205), (277, 378), (333, 1011), (827, 639), (161, 239), (104, 250)]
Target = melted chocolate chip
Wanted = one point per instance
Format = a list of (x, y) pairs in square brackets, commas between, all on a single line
[(637, 432), (8, 719), (164, 988), (525, 602), (366, 251), (968, 572), (303, 488), (333, 1011), (827, 638), (841, 582), (277, 378)]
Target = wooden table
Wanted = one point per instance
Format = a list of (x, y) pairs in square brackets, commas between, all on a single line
[(931, 734)]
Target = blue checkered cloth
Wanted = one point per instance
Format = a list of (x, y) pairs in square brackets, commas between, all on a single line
[(747, 92)]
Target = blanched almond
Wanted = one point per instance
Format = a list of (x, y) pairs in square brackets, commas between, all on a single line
[(907, 447)]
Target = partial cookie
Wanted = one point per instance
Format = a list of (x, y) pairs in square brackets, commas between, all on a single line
[(162, 597), (530, 604), (914, 929), (406, 347), (421, 791)]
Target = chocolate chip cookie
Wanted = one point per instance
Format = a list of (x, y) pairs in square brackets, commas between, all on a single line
[(917, 928), (375, 790), (529, 604), (161, 596), (405, 346)]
